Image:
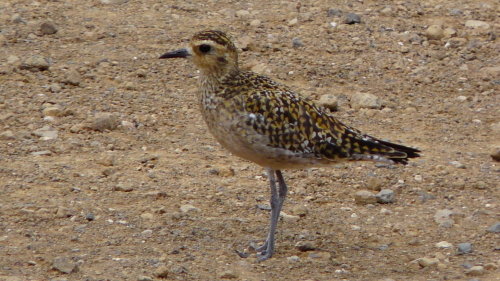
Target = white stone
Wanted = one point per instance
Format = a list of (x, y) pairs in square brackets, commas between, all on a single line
[(189, 208), (477, 24), (444, 245), (243, 14)]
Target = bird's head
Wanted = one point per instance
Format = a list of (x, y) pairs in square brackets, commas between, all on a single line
[(211, 51)]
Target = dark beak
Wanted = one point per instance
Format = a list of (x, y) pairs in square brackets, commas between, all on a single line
[(182, 53)]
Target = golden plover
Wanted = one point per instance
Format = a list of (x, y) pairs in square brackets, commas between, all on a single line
[(269, 124)]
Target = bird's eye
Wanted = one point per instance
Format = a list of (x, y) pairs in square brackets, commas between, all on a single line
[(205, 48)]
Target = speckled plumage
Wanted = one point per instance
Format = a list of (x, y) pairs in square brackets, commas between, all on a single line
[(268, 123)]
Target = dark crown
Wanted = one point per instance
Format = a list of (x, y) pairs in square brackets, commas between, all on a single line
[(216, 36)]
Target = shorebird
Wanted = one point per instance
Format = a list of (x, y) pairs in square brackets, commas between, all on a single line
[(271, 125)]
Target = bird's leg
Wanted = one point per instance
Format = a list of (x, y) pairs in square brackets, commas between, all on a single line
[(277, 200)]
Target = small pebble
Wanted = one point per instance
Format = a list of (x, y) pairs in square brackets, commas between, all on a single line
[(64, 265), (73, 77), (351, 18), (189, 208), (90, 216), (480, 185), (464, 248), (434, 32), (476, 271), (7, 135), (443, 218), (48, 28), (329, 101), (46, 133), (458, 165), (147, 233), (495, 228), (243, 14), (374, 183), (386, 11), (444, 245), (477, 24), (53, 111), (256, 23), (125, 187), (385, 196), (162, 271), (78, 128), (16, 18), (265, 207), (440, 256), (55, 88), (300, 210), (305, 246), (334, 13), (297, 43), (35, 63), (364, 197), (147, 216), (104, 121), (428, 262), (229, 274), (293, 22), (496, 155), (43, 152), (385, 211), (414, 264), (365, 100), (289, 218), (491, 266)]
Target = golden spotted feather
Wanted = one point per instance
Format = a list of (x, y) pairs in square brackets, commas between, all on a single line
[(294, 123)]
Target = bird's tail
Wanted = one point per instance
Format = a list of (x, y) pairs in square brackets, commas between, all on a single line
[(384, 151)]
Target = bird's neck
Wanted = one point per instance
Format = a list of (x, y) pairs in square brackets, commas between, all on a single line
[(211, 80)]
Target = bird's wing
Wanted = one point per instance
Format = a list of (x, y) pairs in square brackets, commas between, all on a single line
[(294, 123)]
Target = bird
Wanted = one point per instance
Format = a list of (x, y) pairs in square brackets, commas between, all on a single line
[(270, 124)]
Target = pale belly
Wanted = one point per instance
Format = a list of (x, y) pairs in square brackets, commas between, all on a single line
[(234, 135)]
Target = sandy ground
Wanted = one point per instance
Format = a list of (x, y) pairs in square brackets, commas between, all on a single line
[(107, 171)]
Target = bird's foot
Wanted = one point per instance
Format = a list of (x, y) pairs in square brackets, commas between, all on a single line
[(259, 249), (264, 255), (242, 254), (263, 252)]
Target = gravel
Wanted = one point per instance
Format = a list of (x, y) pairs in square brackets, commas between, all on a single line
[(114, 46)]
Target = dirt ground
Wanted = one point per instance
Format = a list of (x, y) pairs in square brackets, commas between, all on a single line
[(107, 170)]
